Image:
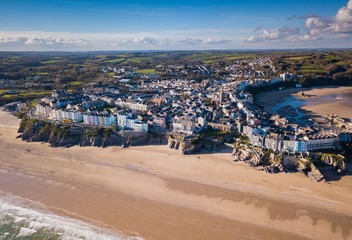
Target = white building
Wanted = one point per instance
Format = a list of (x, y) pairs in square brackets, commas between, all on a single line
[(42, 109), (60, 115), (137, 125), (287, 76), (126, 121), (133, 105), (121, 120), (184, 125), (322, 143), (91, 119), (107, 120), (103, 119)]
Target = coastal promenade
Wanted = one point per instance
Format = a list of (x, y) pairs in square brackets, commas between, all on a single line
[(157, 193)]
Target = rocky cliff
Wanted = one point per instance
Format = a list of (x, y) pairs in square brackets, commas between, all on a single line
[(255, 156), (336, 160), (57, 135), (306, 166)]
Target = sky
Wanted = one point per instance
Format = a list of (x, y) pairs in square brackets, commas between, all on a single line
[(89, 25)]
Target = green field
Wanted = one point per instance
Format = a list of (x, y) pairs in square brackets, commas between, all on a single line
[(42, 73), (76, 83), (117, 60), (146, 71), (26, 94), (111, 74), (51, 61), (330, 58), (217, 57), (139, 59), (240, 56), (298, 58), (312, 69)]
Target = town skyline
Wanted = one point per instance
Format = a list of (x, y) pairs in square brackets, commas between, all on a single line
[(181, 25)]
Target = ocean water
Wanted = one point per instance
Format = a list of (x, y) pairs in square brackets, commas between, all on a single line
[(296, 104), (26, 220)]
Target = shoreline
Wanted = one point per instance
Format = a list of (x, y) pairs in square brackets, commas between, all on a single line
[(158, 193), (313, 104)]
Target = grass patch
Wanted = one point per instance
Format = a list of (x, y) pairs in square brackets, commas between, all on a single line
[(146, 71), (111, 74), (240, 56), (75, 83), (117, 60), (298, 58), (50, 61), (217, 57), (139, 59), (330, 58), (23, 94), (42, 73), (342, 63), (312, 69)]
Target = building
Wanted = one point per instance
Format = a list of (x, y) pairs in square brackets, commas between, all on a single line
[(121, 120), (137, 125), (59, 93), (91, 119), (60, 115), (137, 106), (220, 127), (184, 125), (287, 76), (42, 109), (319, 143), (102, 119), (159, 124)]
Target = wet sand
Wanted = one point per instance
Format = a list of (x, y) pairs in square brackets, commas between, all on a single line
[(315, 103), (158, 193)]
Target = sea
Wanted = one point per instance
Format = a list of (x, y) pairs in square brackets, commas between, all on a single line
[(22, 219), (295, 103)]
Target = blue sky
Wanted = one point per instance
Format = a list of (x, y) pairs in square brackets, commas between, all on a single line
[(171, 25)]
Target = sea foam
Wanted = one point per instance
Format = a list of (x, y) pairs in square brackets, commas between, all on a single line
[(20, 219)]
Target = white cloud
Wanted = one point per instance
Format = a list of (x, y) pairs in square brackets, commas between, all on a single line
[(276, 34), (316, 28), (145, 40), (339, 25), (165, 40)]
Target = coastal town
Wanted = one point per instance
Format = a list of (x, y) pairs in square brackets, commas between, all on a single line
[(190, 108), (177, 120)]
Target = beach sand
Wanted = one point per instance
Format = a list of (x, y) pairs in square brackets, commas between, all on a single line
[(317, 102), (157, 193)]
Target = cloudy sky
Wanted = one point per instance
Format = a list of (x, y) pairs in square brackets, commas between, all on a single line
[(79, 25)]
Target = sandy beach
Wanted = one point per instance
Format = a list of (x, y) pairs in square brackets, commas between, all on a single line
[(315, 103), (157, 193)]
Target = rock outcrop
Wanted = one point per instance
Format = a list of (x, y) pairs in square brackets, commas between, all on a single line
[(255, 156), (336, 160), (307, 167), (194, 144), (65, 136)]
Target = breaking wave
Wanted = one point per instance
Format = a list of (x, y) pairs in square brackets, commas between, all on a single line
[(22, 219)]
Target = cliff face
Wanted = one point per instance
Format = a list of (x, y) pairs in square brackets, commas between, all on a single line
[(307, 167), (336, 160), (255, 156), (194, 145), (65, 136)]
